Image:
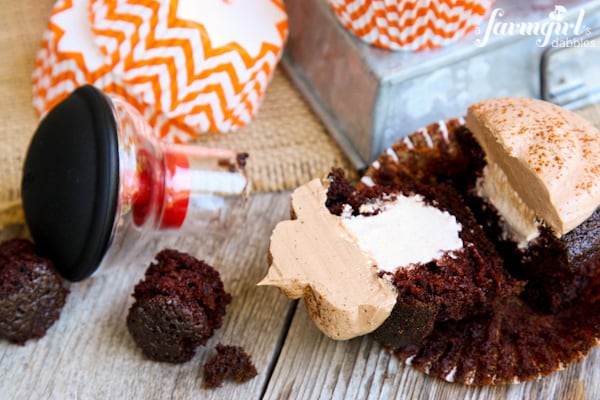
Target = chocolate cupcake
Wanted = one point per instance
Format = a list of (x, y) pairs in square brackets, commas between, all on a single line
[(459, 282), (555, 319), (178, 306), (388, 260), (32, 293), (538, 195), (518, 183)]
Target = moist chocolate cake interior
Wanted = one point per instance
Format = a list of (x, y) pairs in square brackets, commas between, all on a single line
[(525, 334), (461, 283)]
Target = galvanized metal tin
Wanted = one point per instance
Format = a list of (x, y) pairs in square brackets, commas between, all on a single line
[(368, 98)]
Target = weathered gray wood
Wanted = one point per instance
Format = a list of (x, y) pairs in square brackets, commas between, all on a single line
[(89, 354), (311, 366)]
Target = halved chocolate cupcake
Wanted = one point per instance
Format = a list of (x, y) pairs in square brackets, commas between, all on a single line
[(513, 301), (432, 250), (390, 261), (556, 318)]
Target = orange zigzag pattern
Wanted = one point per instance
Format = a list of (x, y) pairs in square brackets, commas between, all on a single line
[(121, 72), (63, 82), (431, 31), (169, 64)]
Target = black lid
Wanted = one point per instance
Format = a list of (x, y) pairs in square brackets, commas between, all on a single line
[(71, 182)]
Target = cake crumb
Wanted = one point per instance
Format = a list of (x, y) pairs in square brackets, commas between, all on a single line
[(229, 362)]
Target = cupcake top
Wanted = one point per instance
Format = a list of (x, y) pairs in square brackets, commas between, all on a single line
[(550, 157)]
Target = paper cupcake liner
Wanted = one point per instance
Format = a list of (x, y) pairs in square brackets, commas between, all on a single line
[(513, 343), (188, 67), (67, 57), (410, 25)]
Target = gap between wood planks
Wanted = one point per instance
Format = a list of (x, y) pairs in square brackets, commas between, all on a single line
[(289, 317)]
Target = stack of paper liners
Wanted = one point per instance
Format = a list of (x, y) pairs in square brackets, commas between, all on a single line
[(189, 67), (410, 25)]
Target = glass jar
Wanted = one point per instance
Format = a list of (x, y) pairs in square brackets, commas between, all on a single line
[(94, 172)]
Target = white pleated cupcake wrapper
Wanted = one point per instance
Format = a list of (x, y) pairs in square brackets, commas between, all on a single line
[(180, 81), (410, 25)]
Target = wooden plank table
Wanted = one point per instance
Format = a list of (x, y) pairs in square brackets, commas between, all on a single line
[(89, 354)]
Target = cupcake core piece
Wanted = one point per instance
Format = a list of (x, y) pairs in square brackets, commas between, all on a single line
[(549, 157), (32, 293), (178, 306)]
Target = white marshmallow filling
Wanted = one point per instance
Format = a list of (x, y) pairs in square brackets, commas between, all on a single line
[(405, 231), (518, 221)]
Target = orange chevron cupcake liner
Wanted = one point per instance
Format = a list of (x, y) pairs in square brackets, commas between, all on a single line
[(410, 25), (188, 66)]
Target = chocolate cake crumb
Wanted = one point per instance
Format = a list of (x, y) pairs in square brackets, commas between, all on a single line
[(229, 362), (32, 293), (342, 192), (178, 306)]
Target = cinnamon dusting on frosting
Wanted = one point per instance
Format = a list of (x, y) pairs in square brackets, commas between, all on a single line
[(550, 156)]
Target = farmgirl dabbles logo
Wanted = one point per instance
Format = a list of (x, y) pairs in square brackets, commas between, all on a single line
[(555, 32)]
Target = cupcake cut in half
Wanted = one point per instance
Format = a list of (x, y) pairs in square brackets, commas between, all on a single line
[(371, 259), (489, 302)]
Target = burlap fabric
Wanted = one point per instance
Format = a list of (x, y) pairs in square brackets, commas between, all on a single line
[(288, 146)]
